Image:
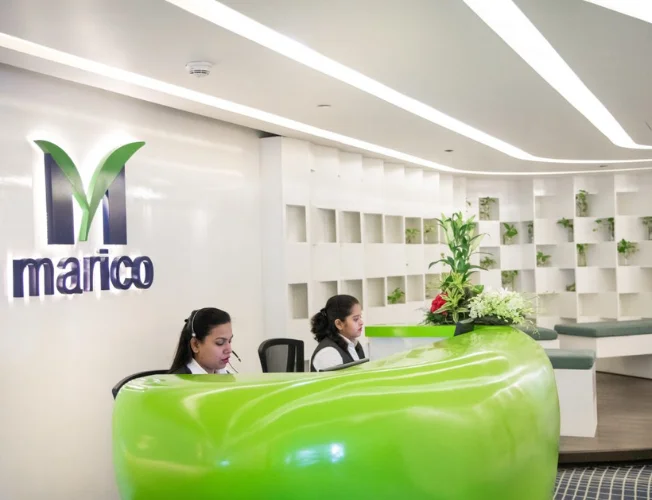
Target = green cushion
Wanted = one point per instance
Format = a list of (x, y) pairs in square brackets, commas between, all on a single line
[(564, 359), (539, 333), (607, 328)]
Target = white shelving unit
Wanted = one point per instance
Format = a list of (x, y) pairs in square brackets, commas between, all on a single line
[(336, 222)]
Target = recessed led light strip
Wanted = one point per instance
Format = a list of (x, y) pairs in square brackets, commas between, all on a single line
[(231, 20), (72, 61), (516, 30), (640, 9)]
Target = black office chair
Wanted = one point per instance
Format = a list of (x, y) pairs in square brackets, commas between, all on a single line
[(119, 385), (281, 355), (346, 365)]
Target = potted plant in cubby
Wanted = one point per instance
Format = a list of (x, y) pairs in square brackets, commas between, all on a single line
[(530, 231), (627, 249), (508, 278), (510, 232), (487, 262), (570, 288), (412, 235), (485, 207), (609, 225), (581, 254), (429, 232), (647, 222), (452, 307), (542, 259), (568, 225), (582, 203), (396, 296)]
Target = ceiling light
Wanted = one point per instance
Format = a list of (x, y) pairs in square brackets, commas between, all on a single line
[(117, 74), (640, 9), (516, 30), (231, 20)]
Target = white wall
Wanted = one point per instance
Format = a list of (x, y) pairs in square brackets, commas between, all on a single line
[(192, 207)]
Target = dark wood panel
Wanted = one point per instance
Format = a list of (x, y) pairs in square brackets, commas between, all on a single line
[(624, 423)]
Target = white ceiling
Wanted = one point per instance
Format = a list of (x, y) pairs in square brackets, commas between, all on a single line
[(436, 51)]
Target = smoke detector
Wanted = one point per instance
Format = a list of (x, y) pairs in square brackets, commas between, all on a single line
[(199, 69)]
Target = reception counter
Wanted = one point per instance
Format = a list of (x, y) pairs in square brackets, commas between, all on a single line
[(473, 417), (385, 340)]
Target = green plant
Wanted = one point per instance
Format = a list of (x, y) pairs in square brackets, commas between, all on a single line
[(581, 254), (412, 235), (582, 203), (500, 307), (610, 224), (570, 288), (647, 222), (542, 259), (568, 225), (507, 278), (432, 287), (457, 292), (430, 232), (510, 233), (487, 262), (530, 231), (462, 243), (485, 207), (395, 296), (627, 248)]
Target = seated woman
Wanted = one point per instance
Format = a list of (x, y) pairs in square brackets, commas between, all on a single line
[(337, 328), (204, 344)]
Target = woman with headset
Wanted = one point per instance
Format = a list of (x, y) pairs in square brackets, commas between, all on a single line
[(205, 343)]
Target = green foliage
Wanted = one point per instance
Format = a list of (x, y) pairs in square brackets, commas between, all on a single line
[(530, 231), (462, 243), (609, 223), (458, 293), (395, 296), (485, 207), (571, 287), (412, 235), (582, 203), (581, 254), (510, 233), (627, 248), (487, 262), (508, 278), (542, 259)]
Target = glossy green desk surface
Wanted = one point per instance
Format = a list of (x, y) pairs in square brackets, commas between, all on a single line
[(475, 417), (409, 331)]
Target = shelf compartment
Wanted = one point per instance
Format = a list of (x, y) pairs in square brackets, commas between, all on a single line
[(591, 279), (394, 232), (635, 305), (415, 288), (493, 253), (430, 232), (350, 227), (353, 288), (395, 283), (634, 279), (324, 227), (560, 305), (601, 305), (295, 224), (431, 287), (298, 300), (587, 230), (413, 231), (552, 280), (376, 296), (631, 228), (373, 228)]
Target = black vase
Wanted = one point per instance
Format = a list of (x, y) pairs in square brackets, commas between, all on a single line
[(461, 328)]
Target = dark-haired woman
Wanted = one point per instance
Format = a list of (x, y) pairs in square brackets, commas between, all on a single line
[(337, 328), (205, 343)]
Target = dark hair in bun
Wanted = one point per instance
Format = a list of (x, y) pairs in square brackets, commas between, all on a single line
[(337, 307)]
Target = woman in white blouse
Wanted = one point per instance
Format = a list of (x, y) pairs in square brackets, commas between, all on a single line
[(205, 343), (337, 328)]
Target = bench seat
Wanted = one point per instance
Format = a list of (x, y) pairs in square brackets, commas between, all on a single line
[(566, 359), (546, 337), (607, 328)]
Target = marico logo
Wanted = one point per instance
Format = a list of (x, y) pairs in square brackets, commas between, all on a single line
[(63, 184)]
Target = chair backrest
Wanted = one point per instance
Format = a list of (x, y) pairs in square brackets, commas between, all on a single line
[(281, 355), (346, 365), (118, 386)]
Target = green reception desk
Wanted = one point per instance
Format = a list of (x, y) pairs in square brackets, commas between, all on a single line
[(474, 417), (385, 340)]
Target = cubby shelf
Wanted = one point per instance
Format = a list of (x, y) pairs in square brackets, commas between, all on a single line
[(364, 227)]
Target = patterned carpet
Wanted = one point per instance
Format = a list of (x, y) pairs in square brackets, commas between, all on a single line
[(622, 482)]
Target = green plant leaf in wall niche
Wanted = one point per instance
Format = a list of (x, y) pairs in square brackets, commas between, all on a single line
[(510, 232), (542, 259), (395, 296), (412, 235), (582, 203)]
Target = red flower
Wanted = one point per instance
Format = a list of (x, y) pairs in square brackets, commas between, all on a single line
[(438, 302)]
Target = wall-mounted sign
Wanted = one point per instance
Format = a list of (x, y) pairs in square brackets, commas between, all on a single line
[(71, 275)]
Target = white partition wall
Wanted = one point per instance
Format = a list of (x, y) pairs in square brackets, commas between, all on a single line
[(362, 226)]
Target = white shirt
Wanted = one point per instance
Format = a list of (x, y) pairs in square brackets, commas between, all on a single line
[(196, 369), (329, 356)]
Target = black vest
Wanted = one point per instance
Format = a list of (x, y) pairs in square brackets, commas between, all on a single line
[(339, 344)]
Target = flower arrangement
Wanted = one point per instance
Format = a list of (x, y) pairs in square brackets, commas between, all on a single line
[(500, 307), (461, 302)]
